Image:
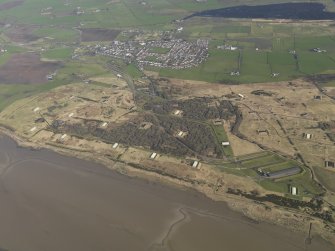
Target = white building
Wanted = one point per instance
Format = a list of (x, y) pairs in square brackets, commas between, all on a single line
[(153, 156), (294, 191), (196, 164)]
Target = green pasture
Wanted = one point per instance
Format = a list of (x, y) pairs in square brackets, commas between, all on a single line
[(221, 136), (57, 54), (247, 166)]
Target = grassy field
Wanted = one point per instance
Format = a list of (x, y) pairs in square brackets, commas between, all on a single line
[(269, 162), (222, 137), (57, 54), (264, 48)]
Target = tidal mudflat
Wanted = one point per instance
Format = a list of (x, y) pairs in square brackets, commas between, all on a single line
[(53, 202)]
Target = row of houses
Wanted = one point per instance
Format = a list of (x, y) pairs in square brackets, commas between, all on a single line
[(175, 53)]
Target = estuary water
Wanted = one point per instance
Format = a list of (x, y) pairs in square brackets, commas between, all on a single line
[(53, 202), (301, 11)]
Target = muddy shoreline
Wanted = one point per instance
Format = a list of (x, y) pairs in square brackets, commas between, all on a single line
[(238, 204)]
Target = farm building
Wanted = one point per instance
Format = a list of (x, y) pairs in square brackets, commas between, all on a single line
[(115, 145), (225, 143), (283, 173)]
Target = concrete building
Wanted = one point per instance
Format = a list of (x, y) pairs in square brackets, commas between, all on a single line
[(308, 135), (330, 164), (294, 191), (36, 109), (153, 156), (178, 112), (196, 164)]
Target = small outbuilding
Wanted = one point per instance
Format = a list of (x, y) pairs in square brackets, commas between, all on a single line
[(153, 156), (196, 164), (330, 164), (115, 145), (178, 112), (308, 135), (294, 190), (225, 143)]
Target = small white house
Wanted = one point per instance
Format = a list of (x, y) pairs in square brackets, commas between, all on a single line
[(241, 95), (36, 109), (225, 143), (115, 145), (104, 124)]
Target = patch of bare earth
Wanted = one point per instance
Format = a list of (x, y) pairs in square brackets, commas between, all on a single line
[(26, 68), (10, 4), (95, 34), (22, 34)]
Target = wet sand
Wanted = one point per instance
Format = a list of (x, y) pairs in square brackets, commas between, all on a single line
[(53, 202)]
